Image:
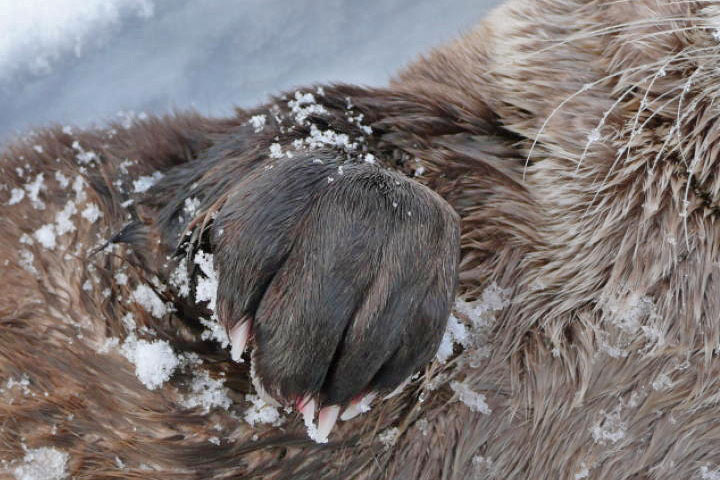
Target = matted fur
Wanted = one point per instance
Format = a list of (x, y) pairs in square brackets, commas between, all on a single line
[(578, 142)]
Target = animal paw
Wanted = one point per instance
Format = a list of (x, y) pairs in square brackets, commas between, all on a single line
[(341, 277)]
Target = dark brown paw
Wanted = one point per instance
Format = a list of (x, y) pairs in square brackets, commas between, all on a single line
[(342, 278)]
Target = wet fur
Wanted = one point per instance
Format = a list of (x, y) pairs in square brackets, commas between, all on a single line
[(530, 128)]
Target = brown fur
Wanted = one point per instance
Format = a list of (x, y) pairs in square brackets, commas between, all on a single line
[(577, 140)]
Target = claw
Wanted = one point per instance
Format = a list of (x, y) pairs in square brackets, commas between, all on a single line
[(239, 336), (358, 406), (307, 407), (326, 420)]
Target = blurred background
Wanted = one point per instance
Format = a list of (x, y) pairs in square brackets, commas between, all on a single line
[(83, 61)]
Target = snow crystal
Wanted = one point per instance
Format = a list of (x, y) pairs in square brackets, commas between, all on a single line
[(86, 157), (149, 300), (261, 412), (627, 313), (321, 138), (206, 288), (207, 393), (609, 429), (33, 190), (62, 180), (22, 382), (369, 158), (26, 259), (662, 382), (121, 278), (46, 236), (716, 34), (258, 122), (276, 151), (583, 473), (191, 206), (154, 361), (593, 136), (143, 184), (129, 321), (475, 401), (455, 332), (16, 196), (180, 279), (216, 332), (707, 474), (62, 219), (42, 464), (91, 213), (389, 437), (78, 187), (303, 106)]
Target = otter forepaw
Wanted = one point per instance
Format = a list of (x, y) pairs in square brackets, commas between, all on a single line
[(341, 277)]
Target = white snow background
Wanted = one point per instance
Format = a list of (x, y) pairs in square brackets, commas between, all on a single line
[(79, 61)]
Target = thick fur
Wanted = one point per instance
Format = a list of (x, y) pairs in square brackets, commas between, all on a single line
[(576, 140)]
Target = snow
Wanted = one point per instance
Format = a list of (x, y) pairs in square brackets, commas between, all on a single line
[(44, 463), (475, 401), (206, 288), (149, 300), (16, 196), (258, 122), (191, 206), (78, 187), (303, 105), (33, 190), (180, 279), (207, 393), (261, 412), (321, 138), (154, 361), (661, 382), (63, 224), (37, 34), (83, 157), (46, 236), (143, 183), (62, 180), (91, 213), (480, 314), (216, 332), (22, 382), (707, 474), (583, 473), (609, 429), (276, 151), (455, 332), (121, 278), (25, 260), (389, 437)]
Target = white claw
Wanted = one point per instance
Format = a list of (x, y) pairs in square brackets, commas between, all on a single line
[(357, 407), (239, 336), (307, 409), (326, 421)]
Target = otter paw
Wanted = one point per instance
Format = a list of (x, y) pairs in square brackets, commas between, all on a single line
[(340, 276)]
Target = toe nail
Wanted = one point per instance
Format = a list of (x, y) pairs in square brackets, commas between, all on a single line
[(239, 335), (357, 407), (326, 420), (307, 408)]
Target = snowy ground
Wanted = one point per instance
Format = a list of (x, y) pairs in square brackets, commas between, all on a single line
[(75, 61)]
